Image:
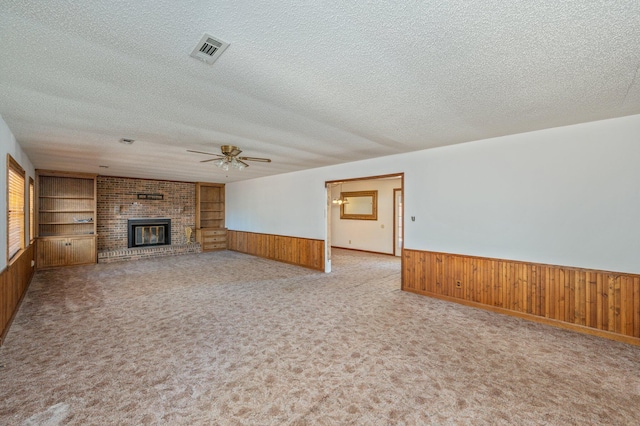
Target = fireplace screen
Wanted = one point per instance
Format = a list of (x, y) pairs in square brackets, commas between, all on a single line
[(149, 235), (149, 232)]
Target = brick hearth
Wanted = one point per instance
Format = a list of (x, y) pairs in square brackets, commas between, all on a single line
[(147, 252)]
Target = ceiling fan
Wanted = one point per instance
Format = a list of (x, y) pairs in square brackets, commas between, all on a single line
[(229, 158)]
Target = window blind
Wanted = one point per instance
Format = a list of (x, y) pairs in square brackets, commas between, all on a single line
[(15, 207), (32, 233)]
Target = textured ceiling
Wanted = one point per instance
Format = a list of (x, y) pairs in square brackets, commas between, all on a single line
[(306, 83)]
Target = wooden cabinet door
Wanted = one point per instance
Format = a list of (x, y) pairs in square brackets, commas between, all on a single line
[(64, 251), (52, 252), (81, 250)]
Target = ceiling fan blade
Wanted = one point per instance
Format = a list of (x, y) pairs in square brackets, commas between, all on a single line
[(207, 153), (243, 163), (234, 152), (262, 160), (210, 159)]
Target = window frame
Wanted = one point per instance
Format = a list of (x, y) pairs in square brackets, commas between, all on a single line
[(13, 167), (32, 222)]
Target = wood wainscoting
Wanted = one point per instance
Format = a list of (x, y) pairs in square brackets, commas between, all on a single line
[(605, 304), (14, 281), (297, 251)]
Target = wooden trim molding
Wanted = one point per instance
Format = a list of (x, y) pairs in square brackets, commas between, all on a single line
[(14, 282), (391, 175), (600, 303), (294, 250)]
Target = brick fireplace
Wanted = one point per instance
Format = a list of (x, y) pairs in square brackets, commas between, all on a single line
[(118, 203)]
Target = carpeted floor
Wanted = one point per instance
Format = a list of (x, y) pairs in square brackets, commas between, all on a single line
[(228, 339)]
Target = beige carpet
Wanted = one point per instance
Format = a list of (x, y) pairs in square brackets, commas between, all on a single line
[(228, 339)]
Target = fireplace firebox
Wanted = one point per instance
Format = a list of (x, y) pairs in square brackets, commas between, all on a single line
[(148, 232)]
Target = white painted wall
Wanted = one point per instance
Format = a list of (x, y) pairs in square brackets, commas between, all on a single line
[(370, 235), (8, 145), (565, 196)]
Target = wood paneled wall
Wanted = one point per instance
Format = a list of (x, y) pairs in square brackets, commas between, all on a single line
[(14, 281), (591, 301), (297, 251)]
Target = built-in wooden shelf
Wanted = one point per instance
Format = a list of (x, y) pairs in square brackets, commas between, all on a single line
[(210, 221), (64, 223), (65, 203), (65, 197)]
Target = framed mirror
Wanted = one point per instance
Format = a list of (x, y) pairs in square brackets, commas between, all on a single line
[(359, 205)]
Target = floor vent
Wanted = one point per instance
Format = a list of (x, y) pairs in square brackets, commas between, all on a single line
[(209, 49)]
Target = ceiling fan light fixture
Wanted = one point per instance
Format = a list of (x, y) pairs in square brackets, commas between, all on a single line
[(222, 163), (236, 164), (229, 158), (230, 163)]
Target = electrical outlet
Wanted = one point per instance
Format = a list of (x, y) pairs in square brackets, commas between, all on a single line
[(458, 284), (382, 226), (349, 241)]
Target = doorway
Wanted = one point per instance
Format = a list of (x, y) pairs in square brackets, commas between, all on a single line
[(384, 235)]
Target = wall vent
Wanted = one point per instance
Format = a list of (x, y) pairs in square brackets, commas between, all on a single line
[(209, 49)]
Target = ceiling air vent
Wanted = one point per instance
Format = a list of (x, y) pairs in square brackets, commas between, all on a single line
[(209, 49)]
